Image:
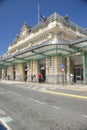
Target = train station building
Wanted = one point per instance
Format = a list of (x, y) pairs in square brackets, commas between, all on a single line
[(56, 48)]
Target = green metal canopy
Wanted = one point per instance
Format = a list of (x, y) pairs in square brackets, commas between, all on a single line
[(79, 44), (46, 49)]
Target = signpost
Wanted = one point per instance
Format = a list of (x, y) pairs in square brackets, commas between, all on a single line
[(62, 70)]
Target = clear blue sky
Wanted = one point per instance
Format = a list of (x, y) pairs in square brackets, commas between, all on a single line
[(14, 13)]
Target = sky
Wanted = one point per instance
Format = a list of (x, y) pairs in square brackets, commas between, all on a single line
[(14, 13)]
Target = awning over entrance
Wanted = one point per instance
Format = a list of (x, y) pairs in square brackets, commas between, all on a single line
[(46, 49), (79, 44)]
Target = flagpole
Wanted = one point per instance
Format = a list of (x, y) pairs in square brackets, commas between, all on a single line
[(38, 13)]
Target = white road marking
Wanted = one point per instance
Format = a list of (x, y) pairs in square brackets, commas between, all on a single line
[(56, 107), (84, 116), (37, 101), (3, 123), (6, 119), (14, 93), (43, 103)]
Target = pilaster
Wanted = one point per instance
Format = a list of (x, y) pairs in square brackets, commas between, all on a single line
[(53, 69), (68, 69), (11, 72), (32, 71), (20, 72), (3, 74), (84, 69)]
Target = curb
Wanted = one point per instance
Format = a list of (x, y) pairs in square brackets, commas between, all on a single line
[(80, 87)]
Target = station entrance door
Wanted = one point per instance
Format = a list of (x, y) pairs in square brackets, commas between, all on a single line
[(78, 74)]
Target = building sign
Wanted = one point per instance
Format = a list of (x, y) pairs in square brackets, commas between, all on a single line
[(42, 68)]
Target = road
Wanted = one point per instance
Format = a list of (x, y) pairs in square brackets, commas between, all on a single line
[(27, 109)]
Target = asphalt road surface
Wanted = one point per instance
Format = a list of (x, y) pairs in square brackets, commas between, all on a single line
[(26, 109)]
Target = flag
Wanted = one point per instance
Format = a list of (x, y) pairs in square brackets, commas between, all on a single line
[(41, 17)]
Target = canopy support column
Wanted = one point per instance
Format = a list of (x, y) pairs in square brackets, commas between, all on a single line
[(86, 66)]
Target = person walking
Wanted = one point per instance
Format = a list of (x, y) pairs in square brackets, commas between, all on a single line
[(39, 77)]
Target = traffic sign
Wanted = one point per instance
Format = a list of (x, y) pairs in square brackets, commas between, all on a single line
[(62, 66), (62, 69)]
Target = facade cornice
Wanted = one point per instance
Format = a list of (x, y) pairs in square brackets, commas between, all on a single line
[(26, 31)]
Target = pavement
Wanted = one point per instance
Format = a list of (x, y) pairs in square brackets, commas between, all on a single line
[(46, 86)]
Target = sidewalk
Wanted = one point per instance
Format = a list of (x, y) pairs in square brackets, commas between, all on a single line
[(42, 86)]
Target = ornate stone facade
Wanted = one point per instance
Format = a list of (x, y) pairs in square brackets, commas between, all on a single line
[(44, 48)]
